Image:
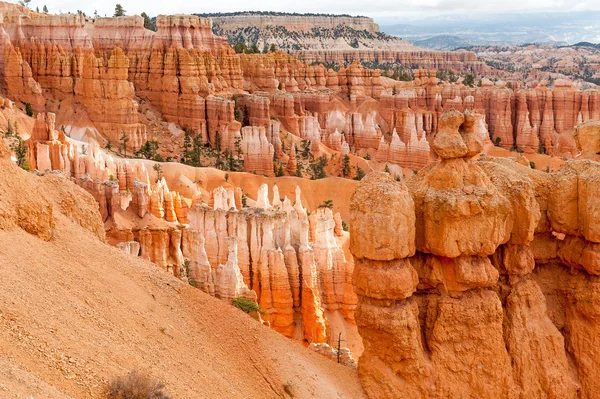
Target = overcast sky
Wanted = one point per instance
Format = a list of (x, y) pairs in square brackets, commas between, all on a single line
[(378, 9)]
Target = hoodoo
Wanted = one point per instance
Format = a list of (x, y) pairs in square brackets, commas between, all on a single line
[(473, 271)]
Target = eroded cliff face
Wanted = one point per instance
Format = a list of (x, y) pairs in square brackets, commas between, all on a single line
[(476, 277), (109, 77), (294, 265), (337, 39)]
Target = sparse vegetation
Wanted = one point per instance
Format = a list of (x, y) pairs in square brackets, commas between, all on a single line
[(346, 168), (469, 80), (541, 148), (359, 173), (247, 305), (119, 11), (317, 168), (135, 386), (326, 204), (17, 145), (124, 140), (149, 150), (290, 389), (148, 24), (159, 171)]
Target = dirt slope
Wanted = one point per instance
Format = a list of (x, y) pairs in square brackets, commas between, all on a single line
[(74, 312)]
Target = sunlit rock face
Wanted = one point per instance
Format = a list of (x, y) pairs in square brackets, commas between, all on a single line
[(474, 272)]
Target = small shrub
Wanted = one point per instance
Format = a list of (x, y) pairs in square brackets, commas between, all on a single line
[(246, 305), (28, 109), (327, 204), (135, 386), (226, 176), (345, 226), (289, 388), (532, 164)]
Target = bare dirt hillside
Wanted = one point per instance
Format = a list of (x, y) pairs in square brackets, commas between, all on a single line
[(75, 312)]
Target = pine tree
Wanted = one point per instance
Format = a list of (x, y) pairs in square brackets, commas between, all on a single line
[(119, 11), (45, 9), (124, 139), (359, 173), (346, 166), (217, 141), (148, 22)]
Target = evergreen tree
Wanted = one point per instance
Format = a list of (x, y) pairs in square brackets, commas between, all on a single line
[(124, 139), (149, 150), (148, 22), (217, 141), (346, 169), (359, 173), (317, 168), (28, 109), (469, 80), (237, 143), (187, 148), (119, 11), (299, 169), (240, 47), (326, 204), (45, 9)]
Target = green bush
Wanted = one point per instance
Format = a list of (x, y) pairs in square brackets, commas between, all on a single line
[(247, 305)]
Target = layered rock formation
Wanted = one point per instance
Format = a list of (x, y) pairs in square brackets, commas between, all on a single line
[(474, 272), (294, 265), (106, 63), (262, 252), (185, 77), (336, 39)]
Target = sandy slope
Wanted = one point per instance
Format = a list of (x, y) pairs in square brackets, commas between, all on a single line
[(75, 312)]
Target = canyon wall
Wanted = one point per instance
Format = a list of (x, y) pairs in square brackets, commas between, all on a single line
[(481, 283), (183, 74), (105, 64), (337, 39), (294, 23)]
